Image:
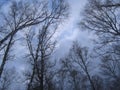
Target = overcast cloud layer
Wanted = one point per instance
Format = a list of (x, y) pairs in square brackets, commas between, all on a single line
[(66, 34)]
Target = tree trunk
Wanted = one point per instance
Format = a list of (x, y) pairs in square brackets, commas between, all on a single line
[(5, 55), (42, 71)]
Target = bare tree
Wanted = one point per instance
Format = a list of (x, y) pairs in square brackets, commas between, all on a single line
[(82, 59), (41, 45), (20, 16), (103, 21), (79, 58), (39, 53), (72, 75), (6, 55), (25, 14), (110, 68), (102, 17)]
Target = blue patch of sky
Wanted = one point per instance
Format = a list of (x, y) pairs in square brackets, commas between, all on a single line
[(2, 2)]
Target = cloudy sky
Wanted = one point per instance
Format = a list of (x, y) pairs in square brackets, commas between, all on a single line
[(68, 32)]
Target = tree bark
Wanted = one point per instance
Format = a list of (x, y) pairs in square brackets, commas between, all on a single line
[(5, 56)]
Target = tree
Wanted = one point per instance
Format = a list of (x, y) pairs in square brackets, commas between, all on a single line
[(103, 21), (6, 55), (78, 57), (82, 59), (40, 44), (21, 15), (110, 68), (102, 17), (70, 74)]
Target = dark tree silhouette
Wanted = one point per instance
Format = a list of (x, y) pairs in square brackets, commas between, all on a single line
[(102, 17), (20, 16), (78, 57), (41, 45)]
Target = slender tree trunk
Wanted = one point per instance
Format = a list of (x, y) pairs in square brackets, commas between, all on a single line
[(5, 55), (91, 82), (42, 71), (86, 71), (31, 79)]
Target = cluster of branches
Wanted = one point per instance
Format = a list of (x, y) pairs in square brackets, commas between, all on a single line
[(39, 21), (102, 18), (75, 65)]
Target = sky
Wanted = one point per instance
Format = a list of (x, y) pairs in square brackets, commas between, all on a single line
[(68, 32)]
